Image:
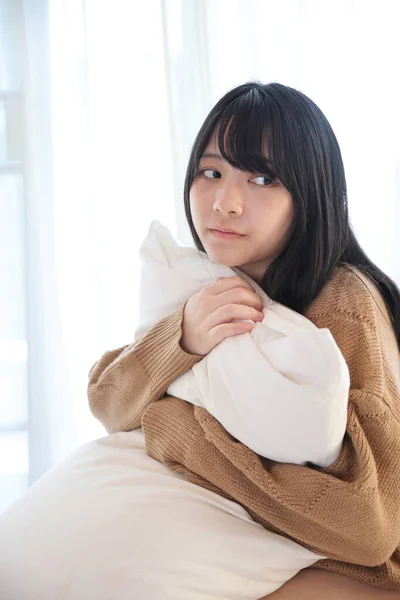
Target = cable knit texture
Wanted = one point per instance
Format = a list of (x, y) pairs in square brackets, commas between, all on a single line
[(349, 512)]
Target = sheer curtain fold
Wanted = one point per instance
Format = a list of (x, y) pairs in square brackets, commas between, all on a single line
[(98, 171), (114, 96), (51, 428)]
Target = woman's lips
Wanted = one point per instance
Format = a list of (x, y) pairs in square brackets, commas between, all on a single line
[(224, 235)]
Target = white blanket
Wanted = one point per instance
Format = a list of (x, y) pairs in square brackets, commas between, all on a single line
[(282, 390)]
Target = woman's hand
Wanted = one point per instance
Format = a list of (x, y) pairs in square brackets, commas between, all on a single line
[(209, 314)]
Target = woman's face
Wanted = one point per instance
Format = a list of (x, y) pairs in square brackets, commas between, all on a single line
[(259, 208)]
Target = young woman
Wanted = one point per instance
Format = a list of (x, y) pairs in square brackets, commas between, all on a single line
[(265, 192)]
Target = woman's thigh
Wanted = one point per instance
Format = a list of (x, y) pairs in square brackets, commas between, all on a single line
[(313, 584)]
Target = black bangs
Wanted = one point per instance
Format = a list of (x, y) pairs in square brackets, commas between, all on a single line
[(243, 134)]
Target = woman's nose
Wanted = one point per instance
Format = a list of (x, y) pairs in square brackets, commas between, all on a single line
[(228, 199)]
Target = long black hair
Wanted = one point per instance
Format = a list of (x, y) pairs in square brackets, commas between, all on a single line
[(304, 155)]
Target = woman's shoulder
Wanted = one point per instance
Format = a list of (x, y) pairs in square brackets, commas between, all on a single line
[(352, 308), (351, 295)]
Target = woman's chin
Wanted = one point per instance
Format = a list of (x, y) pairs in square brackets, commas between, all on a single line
[(221, 258)]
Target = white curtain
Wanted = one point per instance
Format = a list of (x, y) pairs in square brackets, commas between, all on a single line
[(110, 172), (115, 94), (344, 54)]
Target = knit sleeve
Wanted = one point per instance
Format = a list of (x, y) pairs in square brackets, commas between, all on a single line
[(350, 511), (125, 381)]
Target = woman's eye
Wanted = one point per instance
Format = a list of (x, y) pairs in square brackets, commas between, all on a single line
[(211, 174), (263, 180)]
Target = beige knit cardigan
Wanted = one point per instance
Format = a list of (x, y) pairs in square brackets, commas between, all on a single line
[(350, 511)]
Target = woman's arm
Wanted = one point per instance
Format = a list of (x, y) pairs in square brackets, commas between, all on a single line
[(125, 381), (349, 512)]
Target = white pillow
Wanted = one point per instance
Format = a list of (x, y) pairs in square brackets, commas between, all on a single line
[(111, 523), (282, 390)]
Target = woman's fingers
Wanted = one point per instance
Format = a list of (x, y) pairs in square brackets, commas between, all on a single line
[(237, 295), (229, 312), (220, 332), (209, 314)]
